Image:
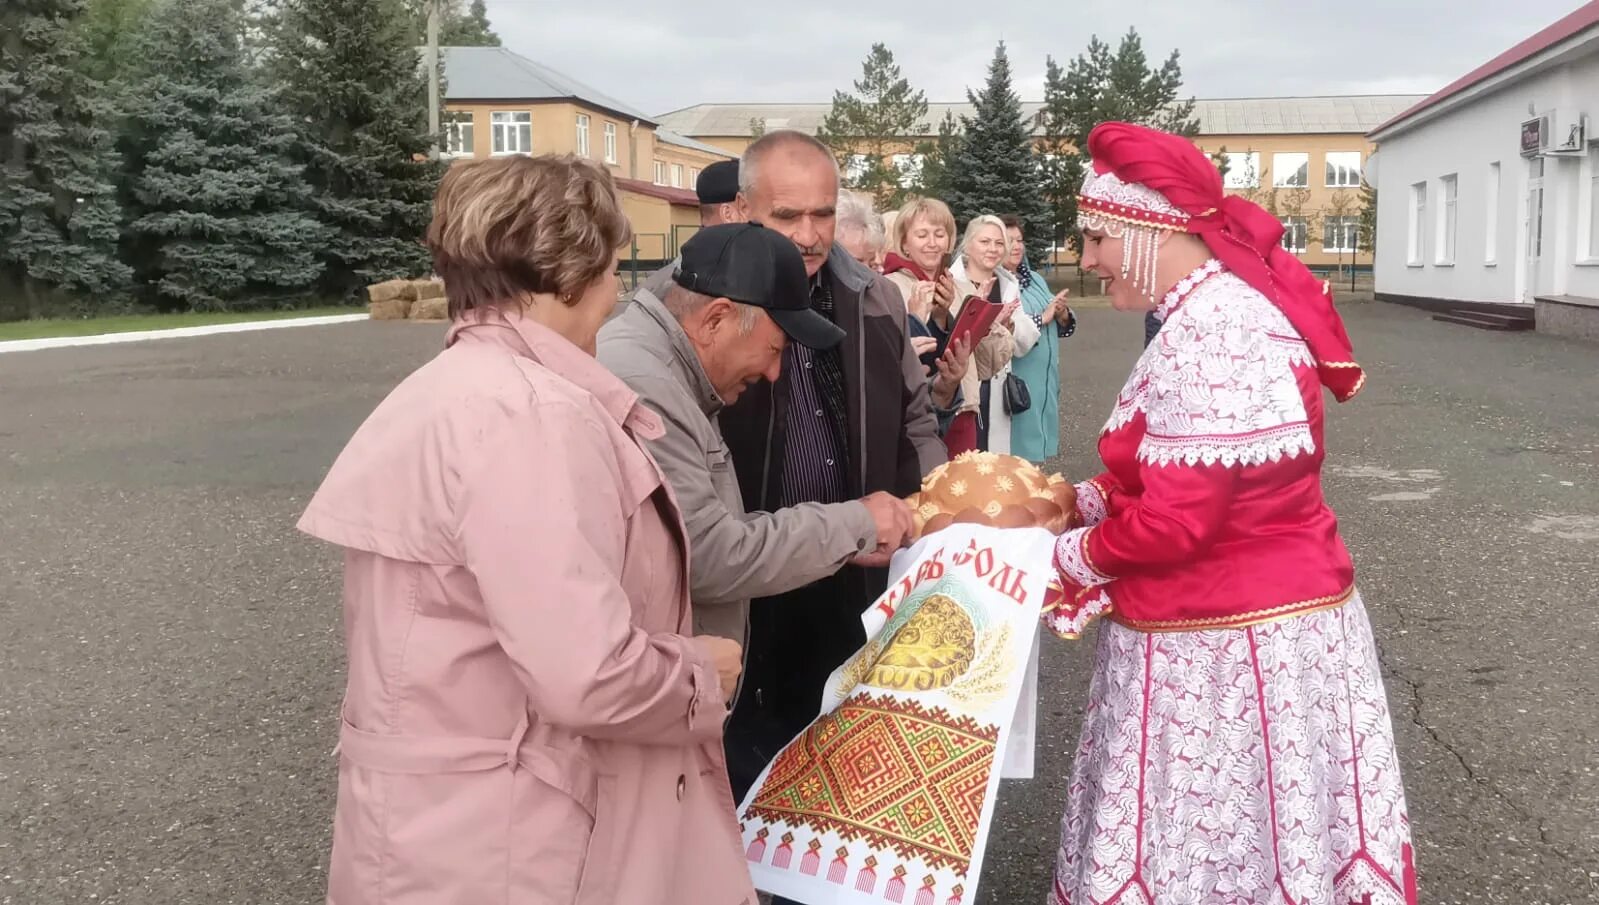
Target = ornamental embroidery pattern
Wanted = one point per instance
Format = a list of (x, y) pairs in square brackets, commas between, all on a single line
[(889, 771)]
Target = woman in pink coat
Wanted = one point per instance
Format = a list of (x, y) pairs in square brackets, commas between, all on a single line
[(526, 720)]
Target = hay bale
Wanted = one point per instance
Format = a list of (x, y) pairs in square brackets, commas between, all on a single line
[(390, 310), (429, 289), (391, 290), (435, 309)]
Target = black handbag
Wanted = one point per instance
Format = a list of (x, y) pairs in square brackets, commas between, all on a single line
[(1017, 398)]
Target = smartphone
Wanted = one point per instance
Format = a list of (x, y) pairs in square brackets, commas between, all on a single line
[(945, 264)]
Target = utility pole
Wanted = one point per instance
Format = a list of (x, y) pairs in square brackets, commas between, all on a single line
[(433, 77)]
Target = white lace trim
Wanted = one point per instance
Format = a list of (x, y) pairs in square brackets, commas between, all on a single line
[(1186, 285), (1109, 188), (1091, 503), (1272, 445), (1217, 385), (1073, 624), (1071, 558)]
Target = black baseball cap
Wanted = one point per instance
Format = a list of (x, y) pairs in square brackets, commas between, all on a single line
[(748, 263), (718, 183)]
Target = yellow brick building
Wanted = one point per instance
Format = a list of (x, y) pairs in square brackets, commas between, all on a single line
[(498, 102), (1301, 157)]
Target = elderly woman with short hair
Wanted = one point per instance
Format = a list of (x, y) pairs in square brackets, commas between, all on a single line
[(526, 717), (860, 229)]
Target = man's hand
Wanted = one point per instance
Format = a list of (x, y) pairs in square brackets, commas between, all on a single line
[(892, 516), (728, 658)]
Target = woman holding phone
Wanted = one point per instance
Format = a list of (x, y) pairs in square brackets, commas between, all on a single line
[(917, 264)]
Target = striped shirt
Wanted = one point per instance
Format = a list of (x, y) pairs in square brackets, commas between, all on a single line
[(815, 464)]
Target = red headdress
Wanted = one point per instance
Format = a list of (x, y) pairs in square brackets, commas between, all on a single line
[(1150, 180)]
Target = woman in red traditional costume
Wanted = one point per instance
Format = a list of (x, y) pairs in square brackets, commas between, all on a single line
[(1237, 746)]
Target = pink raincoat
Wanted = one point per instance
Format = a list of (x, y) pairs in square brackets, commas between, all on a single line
[(525, 720)]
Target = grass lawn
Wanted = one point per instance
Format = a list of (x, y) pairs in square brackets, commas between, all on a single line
[(127, 323)]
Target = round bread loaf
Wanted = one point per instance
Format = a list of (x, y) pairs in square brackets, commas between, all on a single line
[(987, 488)]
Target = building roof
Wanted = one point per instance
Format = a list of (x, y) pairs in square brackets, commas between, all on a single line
[(1584, 18), (681, 197), (1219, 116), (494, 73), (683, 141)]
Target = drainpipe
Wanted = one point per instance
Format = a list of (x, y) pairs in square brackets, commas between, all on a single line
[(632, 150)]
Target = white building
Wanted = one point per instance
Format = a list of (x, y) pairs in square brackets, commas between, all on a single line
[(1488, 191)]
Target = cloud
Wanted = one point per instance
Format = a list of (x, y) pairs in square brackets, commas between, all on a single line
[(662, 56)]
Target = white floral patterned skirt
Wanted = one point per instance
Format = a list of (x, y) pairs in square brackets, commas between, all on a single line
[(1237, 767)]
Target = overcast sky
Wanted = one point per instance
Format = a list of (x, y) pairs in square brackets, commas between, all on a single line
[(660, 55)]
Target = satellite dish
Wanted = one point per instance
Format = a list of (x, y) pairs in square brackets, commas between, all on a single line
[(1370, 171)]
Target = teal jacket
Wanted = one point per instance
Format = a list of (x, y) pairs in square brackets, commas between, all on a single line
[(1035, 433)]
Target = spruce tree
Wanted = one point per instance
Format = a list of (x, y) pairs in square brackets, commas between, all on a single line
[(874, 123), (994, 169), (58, 209), (355, 85), (939, 158), (468, 27), (219, 215), (1103, 86), (109, 29)]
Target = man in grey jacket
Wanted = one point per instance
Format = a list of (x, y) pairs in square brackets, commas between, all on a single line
[(738, 297)]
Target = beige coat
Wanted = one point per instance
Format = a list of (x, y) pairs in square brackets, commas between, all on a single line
[(734, 555)]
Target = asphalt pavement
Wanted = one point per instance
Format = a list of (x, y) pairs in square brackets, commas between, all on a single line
[(170, 660)]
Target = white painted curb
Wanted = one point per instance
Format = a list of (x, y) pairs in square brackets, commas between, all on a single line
[(104, 339)]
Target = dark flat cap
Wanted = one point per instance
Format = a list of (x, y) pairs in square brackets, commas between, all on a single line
[(748, 263), (718, 183)]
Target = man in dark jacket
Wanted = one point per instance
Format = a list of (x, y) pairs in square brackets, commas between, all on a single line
[(837, 425)]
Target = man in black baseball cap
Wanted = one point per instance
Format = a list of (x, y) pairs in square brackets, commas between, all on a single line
[(721, 325), (717, 189), (752, 265)]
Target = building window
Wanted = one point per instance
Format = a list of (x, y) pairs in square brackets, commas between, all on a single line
[(1340, 235), (1243, 170), (909, 167), (693, 177), (1491, 216), (660, 172), (1296, 234), (1343, 169), (582, 135), (1418, 224), (513, 132), (457, 138), (1290, 171), (1446, 218), (610, 142), (677, 175)]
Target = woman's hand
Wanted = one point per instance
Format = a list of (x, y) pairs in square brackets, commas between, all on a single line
[(727, 656), (985, 287), (1006, 312), (951, 367), (1063, 312), (944, 291), (922, 345), (921, 301)]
